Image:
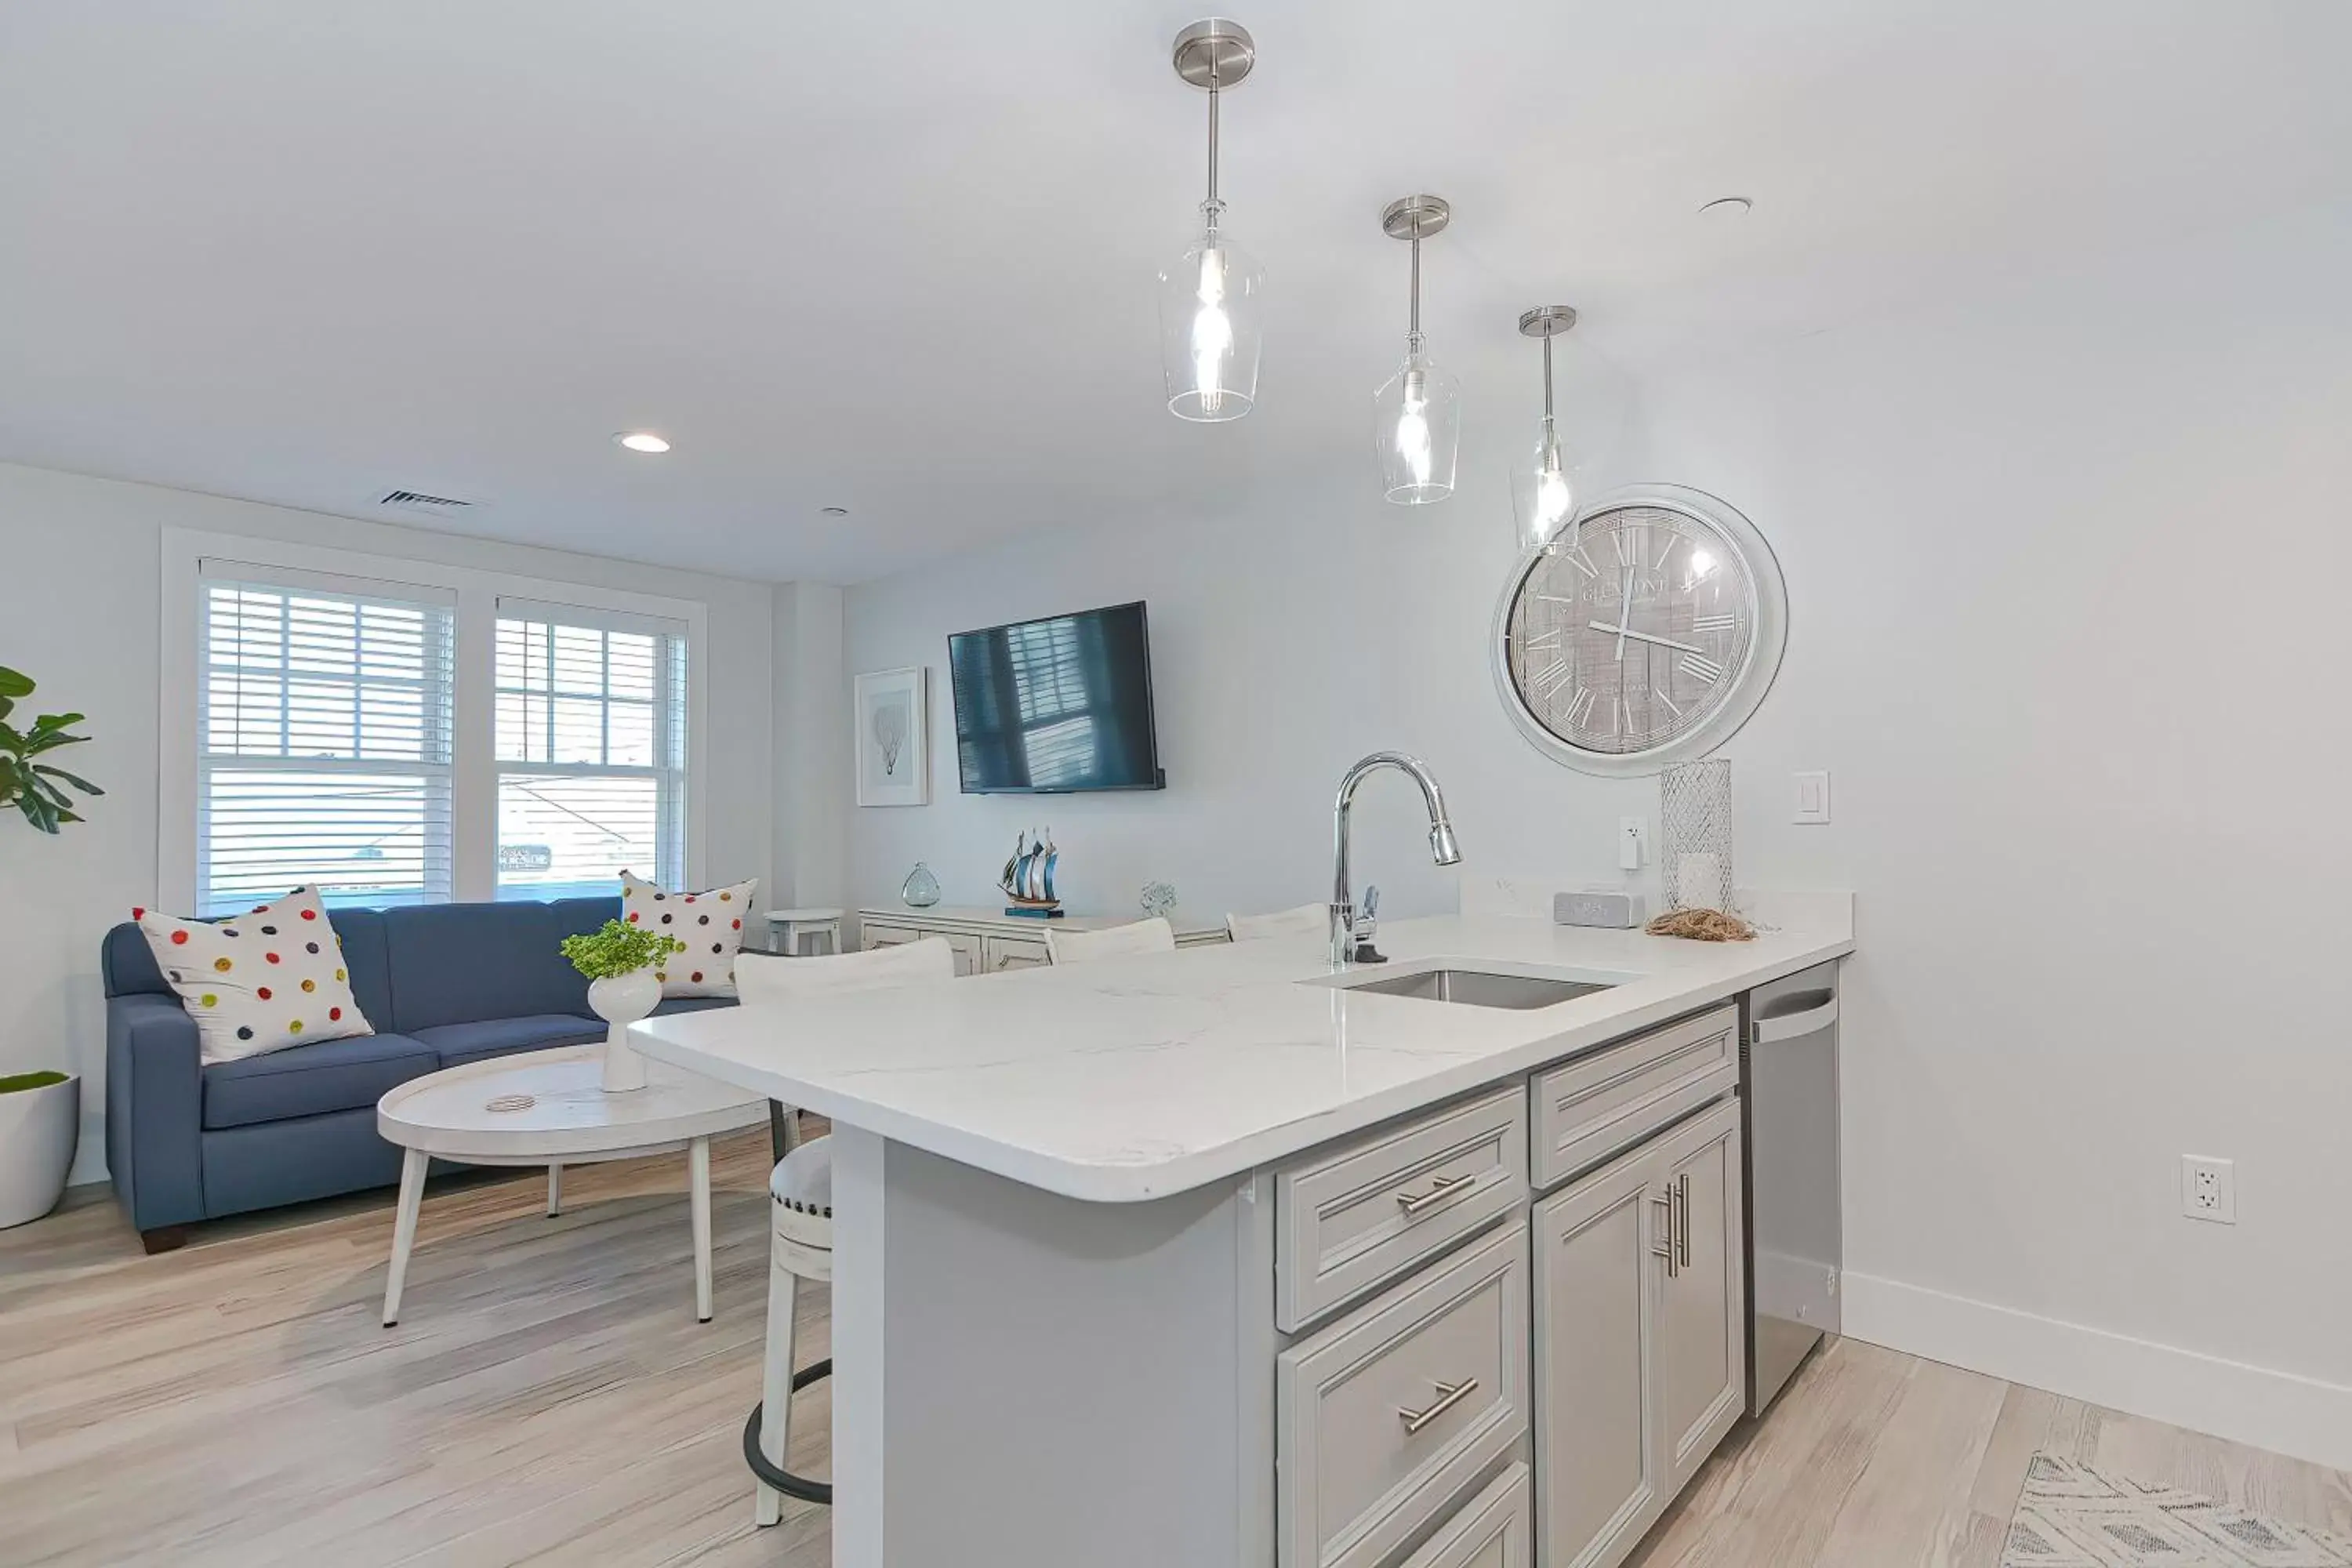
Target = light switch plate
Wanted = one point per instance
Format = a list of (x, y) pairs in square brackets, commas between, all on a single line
[(1813, 797)]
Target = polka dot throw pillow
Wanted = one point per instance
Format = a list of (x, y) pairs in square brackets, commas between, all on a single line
[(259, 982), (711, 924)]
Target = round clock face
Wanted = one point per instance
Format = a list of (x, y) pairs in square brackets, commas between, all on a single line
[(1644, 634)]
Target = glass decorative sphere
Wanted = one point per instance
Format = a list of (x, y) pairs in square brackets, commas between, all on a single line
[(921, 889), (1158, 900)]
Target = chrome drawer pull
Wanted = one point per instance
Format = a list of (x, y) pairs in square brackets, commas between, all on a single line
[(1449, 1394), (1682, 1228), (1414, 1203)]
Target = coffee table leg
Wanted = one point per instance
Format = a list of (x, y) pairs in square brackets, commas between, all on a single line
[(403, 1231), (554, 1190), (698, 1162)]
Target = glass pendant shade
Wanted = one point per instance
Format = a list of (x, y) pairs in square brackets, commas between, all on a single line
[(1546, 491), (1210, 330), (1417, 432)]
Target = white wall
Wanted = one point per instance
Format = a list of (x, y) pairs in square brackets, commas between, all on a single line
[(82, 563), (813, 758), (2063, 559)]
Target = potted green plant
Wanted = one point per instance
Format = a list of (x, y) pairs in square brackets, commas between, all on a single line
[(623, 964), (40, 1112), (40, 1117), (34, 788)]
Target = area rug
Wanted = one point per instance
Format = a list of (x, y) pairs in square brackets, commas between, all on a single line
[(2071, 1516)]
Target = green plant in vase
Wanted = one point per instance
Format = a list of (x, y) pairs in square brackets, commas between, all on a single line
[(623, 964), (34, 788)]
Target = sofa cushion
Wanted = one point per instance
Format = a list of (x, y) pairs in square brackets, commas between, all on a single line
[(128, 965), (267, 980), (456, 1043), (312, 1080), (692, 1005), (455, 964), (708, 925)]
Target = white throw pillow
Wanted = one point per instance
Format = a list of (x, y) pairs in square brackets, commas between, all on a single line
[(259, 982), (711, 924)]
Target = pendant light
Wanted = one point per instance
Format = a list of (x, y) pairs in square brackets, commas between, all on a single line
[(1417, 413), (1209, 301), (1543, 488)]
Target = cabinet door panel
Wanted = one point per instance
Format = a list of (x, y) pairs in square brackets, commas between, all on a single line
[(871, 936), (1597, 1276), (1702, 1344)]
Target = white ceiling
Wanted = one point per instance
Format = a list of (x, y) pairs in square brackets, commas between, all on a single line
[(899, 257)]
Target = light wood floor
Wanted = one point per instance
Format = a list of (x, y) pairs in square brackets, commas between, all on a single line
[(548, 1398)]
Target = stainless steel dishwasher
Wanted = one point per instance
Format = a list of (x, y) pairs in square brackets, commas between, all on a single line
[(1796, 1234)]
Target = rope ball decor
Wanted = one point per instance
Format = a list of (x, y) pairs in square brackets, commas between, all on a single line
[(1702, 925)]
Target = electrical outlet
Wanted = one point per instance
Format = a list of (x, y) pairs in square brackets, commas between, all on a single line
[(1633, 842), (2209, 1189)]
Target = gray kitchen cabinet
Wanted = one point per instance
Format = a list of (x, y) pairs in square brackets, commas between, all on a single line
[(1639, 1366), (1597, 1279), (1702, 1333)]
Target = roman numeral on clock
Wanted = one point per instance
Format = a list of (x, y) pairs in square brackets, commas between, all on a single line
[(1714, 622), (1698, 667), (1579, 706)]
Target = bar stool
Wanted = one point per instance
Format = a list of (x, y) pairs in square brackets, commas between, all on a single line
[(800, 1201), (1154, 935)]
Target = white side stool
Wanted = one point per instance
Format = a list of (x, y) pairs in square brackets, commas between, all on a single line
[(790, 926), (799, 1209), (800, 1192)]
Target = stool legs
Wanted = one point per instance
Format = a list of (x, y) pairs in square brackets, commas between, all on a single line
[(776, 1387)]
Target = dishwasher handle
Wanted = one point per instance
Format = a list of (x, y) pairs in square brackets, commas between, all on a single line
[(1792, 1025)]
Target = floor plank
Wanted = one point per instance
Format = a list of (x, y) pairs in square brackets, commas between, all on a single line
[(548, 1398)]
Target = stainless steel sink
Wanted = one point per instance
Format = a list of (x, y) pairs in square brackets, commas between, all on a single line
[(1478, 988)]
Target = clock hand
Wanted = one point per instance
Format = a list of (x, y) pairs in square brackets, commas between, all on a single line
[(1624, 614), (1623, 631)]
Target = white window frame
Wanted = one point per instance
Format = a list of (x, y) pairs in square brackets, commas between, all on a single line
[(474, 782), (666, 778)]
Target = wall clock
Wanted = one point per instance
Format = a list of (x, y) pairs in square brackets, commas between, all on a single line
[(1644, 636)]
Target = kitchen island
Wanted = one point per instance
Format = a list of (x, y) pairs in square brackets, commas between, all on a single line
[(1114, 1241)]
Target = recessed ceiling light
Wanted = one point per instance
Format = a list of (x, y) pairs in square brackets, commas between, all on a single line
[(642, 441), (1726, 206), (836, 511)]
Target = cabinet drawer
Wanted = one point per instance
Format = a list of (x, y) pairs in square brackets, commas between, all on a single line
[(871, 936), (997, 952), (1348, 1219), (966, 949), (1599, 1105), (1384, 1418), (1493, 1530)]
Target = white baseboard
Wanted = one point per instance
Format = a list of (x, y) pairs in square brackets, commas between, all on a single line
[(2279, 1411)]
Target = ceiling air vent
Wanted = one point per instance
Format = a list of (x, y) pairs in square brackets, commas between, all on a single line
[(417, 500)]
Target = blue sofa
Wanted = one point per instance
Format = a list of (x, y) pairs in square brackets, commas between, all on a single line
[(443, 984)]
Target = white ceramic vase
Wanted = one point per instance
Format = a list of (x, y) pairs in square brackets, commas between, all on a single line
[(621, 1000), (38, 1129)]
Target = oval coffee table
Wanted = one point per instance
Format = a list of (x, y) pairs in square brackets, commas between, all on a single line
[(548, 1108)]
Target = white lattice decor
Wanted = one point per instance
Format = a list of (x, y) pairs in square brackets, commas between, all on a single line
[(1695, 812)]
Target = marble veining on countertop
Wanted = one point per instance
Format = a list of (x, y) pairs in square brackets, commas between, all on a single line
[(1134, 1078)]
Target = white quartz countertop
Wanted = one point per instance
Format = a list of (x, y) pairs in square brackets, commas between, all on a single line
[(1134, 1078)]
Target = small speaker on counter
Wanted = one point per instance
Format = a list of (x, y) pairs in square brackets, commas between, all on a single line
[(1613, 911)]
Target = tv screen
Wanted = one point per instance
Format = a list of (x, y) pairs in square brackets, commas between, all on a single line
[(1055, 706)]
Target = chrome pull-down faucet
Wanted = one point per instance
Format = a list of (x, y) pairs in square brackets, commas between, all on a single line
[(1441, 848)]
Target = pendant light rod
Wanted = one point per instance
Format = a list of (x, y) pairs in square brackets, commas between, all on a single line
[(1547, 322), (1214, 54), (1414, 219)]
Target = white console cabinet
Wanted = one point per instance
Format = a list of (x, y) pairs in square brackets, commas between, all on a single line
[(986, 941)]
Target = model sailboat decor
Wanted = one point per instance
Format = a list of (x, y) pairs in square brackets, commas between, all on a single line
[(1028, 878)]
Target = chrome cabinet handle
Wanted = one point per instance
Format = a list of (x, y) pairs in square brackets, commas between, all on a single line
[(1415, 1203), (1449, 1394), (1664, 1246), (1682, 1223)]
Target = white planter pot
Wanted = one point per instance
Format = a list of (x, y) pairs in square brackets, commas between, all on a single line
[(38, 1129), (620, 1001)]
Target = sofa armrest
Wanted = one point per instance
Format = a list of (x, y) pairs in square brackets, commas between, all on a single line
[(155, 1111)]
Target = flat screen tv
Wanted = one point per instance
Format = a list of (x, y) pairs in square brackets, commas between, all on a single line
[(1055, 706)]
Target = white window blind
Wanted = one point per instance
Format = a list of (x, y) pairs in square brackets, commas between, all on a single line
[(591, 749), (323, 739)]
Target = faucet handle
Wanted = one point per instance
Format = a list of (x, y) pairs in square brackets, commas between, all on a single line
[(1361, 929)]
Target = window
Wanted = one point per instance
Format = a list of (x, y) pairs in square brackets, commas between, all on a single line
[(591, 749), (323, 738)]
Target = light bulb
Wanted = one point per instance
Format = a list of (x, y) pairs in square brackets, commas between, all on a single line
[(1552, 498), (1412, 426), (1213, 330)]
